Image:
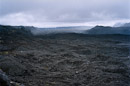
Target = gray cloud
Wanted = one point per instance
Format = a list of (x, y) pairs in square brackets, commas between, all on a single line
[(63, 12)]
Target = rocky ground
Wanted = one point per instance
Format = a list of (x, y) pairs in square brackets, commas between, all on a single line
[(65, 59)]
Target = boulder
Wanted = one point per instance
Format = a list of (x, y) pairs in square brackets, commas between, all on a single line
[(4, 80)]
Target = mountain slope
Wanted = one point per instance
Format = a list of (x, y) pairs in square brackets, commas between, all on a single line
[(109, 30), (126, 25)]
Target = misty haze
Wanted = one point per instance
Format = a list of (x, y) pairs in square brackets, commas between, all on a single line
[(64, 42)]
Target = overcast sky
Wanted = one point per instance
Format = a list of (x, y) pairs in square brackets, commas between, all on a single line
[(51, 13)]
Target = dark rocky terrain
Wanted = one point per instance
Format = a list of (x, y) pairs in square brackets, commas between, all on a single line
[(64, 59)]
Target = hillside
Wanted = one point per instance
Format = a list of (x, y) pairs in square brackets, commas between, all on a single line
[(109, 30), (126, 25)]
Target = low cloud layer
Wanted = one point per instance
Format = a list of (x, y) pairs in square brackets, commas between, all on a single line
[(53, 13)]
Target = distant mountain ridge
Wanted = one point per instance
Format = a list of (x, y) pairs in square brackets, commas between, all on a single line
[(41, 31), (122, 25), (14, 31), (29, 31), (124, 30), (126, 25)]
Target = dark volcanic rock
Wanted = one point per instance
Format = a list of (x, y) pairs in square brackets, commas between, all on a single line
[(4, 80), (5, 48), (65, 59), (11, 66)]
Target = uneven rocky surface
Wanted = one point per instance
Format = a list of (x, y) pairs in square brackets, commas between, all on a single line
[(4, 80), (65, 59)]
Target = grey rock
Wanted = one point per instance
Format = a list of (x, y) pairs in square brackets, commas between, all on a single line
[(4, 80)]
